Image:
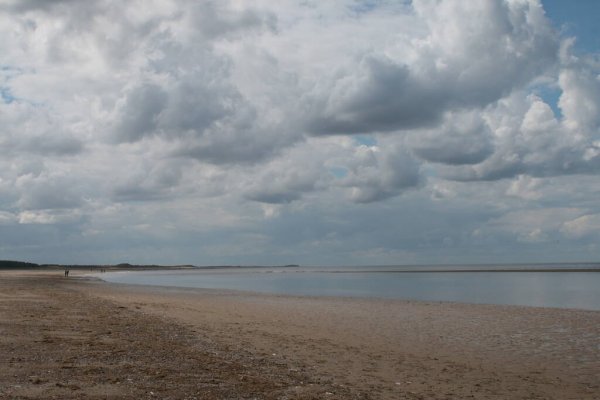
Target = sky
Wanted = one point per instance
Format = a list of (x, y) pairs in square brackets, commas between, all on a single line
[(340, 132)]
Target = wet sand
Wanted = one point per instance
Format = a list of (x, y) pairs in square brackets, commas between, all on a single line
[(76, 338)]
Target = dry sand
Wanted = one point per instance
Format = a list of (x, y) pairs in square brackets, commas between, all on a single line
[(77, 338)]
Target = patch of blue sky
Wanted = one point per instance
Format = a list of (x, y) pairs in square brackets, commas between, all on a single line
[(10, 71), (338, 172), (579, 19), (366, 140), (550, 94), (428, 171), (366, 6), (7, 73), (6, 95), (363, 7)]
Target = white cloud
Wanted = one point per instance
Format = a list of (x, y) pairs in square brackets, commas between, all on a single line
[(462, 138), (586, 225), (525, 187), (580, 98), (376, 174), (466, 55), (168, 123), (47, 217), (7, 218)]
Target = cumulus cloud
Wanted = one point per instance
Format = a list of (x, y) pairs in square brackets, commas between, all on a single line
[(376, 174), (215, 19), (469, 55), (342, 167), (47, 217), (139, 112), (535, 143), (534, 225), (150, 181), (41, 193), (463, 138), (525, 187), (580, 98), (281, 181), (189, 98), (33, 129), (225, 121), (7, 218)]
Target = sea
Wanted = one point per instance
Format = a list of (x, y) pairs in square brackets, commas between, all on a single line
[(539, 285)]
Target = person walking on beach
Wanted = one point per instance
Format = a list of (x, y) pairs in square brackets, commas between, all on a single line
[(66, 272)]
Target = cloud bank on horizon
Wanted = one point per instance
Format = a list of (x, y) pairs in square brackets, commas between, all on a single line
[(339, 132)]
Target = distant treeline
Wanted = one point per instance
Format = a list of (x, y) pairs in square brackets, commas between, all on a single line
[(113, 266), (7, 264)]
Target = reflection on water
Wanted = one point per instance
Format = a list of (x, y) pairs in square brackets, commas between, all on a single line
[(535, 288)]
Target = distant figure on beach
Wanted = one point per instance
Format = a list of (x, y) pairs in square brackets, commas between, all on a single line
[(66, 272)]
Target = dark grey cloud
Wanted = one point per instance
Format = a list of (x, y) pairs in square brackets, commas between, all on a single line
[(555, 162), (28, 5), (464, 139), (140, 112), (45, 145), (224, 148), (77, 17), (282, 181), (274, 196), (534, 142), (455, 152), (209, 124), (129, 192), (193, 103), (193, 107), (217, 21), (50, 194), (35, 129), (53, 146), (386, 98), (150, 181), (381, 174), (371, 234)]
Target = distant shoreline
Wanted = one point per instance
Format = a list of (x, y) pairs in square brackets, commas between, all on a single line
[(414, 268), (418, 271)]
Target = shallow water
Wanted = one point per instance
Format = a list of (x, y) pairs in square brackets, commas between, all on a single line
[(565, 289)]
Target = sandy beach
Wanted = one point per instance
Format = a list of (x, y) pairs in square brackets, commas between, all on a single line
[(80, 338)]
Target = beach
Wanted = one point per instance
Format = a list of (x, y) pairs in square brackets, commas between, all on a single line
[(82, 338)]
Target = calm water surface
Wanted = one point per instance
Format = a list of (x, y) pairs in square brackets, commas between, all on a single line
[(564, 289)]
